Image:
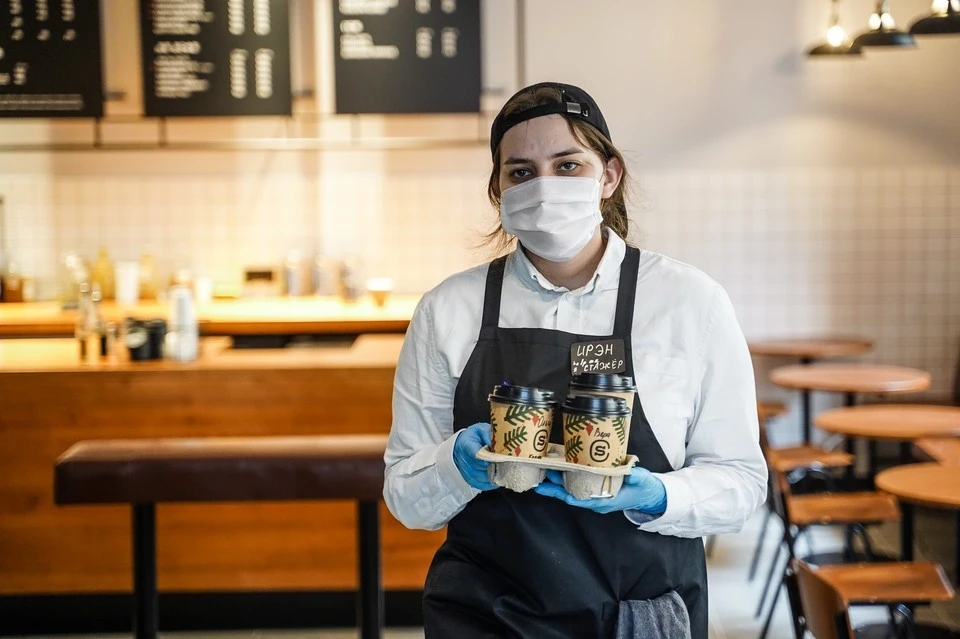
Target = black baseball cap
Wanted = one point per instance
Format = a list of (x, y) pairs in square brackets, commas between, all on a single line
[(574, 103)]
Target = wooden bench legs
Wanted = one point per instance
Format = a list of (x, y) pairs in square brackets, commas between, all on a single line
[(369, 597), (144, 571)]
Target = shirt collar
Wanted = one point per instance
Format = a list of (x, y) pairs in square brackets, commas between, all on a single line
[(606, 277)]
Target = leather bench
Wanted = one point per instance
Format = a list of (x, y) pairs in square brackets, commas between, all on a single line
[(145, 472)]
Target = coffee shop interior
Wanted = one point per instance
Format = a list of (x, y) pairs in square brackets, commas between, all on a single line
[(217, 218)]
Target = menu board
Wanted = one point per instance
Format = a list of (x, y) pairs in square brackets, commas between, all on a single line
[(215, 57), (50, 63), (407, 56)]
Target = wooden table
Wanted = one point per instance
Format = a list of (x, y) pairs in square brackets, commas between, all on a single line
[(809, 350), (932, 485), (945, 450), (851, 379), (903, 423)]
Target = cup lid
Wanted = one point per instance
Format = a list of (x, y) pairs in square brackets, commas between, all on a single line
[(529, 395), (600, 405), (611, 382)]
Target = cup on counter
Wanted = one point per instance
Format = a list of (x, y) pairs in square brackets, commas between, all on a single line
[(379, 289), (127, 283), (595, 430)]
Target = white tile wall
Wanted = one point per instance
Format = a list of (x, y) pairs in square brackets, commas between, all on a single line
[(869, 251)]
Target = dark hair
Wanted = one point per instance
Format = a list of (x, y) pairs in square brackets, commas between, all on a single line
[(613, 209)]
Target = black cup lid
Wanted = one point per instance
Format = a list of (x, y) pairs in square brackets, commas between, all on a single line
[(508, 393), (610, 382), (599, 405)]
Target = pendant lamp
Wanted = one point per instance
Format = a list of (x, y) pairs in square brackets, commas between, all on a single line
[(944, 18), (837, 43), (883, 30)]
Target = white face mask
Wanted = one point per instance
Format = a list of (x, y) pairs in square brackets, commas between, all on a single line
[(553, 217)]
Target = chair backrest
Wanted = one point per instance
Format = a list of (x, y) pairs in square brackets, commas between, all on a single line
[(781, 493), (824, 610)]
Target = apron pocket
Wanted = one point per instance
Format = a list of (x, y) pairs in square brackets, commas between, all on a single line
[(662, 618)]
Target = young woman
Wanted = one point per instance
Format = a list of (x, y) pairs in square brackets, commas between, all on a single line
[(541, 563)]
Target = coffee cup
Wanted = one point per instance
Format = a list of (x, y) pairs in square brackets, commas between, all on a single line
[(595, 430), (521, 418), (608, 384)]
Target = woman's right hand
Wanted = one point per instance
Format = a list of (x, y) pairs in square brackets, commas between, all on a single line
[(469, 442)]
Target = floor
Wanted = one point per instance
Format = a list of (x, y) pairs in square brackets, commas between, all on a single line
[(732, 599)]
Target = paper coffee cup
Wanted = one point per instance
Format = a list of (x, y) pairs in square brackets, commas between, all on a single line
[(606, 385), (596, 430), (521, 418)]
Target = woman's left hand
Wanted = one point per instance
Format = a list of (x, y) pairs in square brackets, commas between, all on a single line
[(641, 491)]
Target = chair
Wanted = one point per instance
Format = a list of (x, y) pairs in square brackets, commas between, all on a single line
[(855, 510), (822, 597), (788, 460)]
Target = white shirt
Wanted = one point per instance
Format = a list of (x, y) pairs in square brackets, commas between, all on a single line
[(693, 373)]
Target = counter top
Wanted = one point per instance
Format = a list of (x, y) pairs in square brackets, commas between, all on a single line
[(250, 316), (61, 355)]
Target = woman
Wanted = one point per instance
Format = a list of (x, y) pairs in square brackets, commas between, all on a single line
[(542, 564)]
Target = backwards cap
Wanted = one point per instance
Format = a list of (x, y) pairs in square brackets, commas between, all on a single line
[(574, 103)]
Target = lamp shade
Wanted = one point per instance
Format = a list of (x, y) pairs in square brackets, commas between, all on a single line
[(837, 43), (882, 38), (938, 22), (827, 49), (883, 31)]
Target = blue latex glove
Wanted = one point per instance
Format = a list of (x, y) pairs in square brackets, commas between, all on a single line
[(469, 442), (641, 491)]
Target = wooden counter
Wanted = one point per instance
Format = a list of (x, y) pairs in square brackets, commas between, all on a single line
[(48, 401), (254, 316)]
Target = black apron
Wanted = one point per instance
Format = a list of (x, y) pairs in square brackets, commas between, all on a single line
[(525, 565)]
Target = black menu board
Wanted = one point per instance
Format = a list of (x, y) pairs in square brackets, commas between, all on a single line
[(407, 56), (215, 57), (50, 63)]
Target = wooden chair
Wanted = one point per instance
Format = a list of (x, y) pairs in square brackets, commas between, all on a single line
[(788, 460), (824, 596), (856, 511)]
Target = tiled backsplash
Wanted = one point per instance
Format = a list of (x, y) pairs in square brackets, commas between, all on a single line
[(869, 251)]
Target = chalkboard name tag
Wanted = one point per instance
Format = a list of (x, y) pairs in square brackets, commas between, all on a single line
[(598, 356)]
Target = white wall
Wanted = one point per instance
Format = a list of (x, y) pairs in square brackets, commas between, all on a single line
[(824, 194)]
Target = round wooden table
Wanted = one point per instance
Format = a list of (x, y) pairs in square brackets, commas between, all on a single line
[(892, 422), (931, 485), (809, 350), (850, 379)]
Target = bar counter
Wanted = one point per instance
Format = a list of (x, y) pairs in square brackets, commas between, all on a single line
[(49, 400), (247, 316)]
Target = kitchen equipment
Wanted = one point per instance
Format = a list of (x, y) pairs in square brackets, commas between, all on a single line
[(127, 283), (260, 282), (182, 341)]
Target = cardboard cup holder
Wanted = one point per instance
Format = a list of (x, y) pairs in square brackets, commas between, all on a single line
[(583, 482)]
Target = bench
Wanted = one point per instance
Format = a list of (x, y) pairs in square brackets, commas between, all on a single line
[(145, 472)]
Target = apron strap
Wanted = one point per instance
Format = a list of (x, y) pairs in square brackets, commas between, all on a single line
[(627, 293), (492, 293)]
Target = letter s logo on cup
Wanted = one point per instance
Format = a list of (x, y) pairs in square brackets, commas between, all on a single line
[(600, 451), (540, 441)]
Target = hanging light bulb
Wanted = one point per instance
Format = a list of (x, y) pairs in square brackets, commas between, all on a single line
[(882, 30), (944, 18), (837, 41)]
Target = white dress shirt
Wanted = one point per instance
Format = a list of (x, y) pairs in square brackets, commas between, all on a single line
[(693, 373)]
